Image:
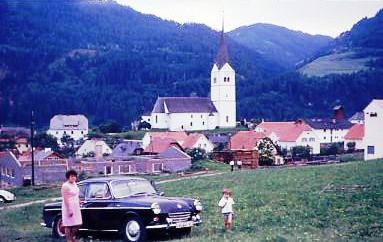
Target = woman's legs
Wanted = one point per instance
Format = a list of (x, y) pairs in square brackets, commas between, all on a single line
[(71, 232)]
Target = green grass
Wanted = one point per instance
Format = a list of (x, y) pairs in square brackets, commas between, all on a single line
[(339, 202), (28, 194)]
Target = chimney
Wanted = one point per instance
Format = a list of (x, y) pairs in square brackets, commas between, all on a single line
[(338, 113)]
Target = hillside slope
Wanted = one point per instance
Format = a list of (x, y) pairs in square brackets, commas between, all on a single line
[(359, 49), (279, 44)]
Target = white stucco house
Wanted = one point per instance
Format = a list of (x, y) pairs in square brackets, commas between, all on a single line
[(291, 134), (97, 147), (373, 130), (75, 126), (355, 135), (200, 113), (196, 140)]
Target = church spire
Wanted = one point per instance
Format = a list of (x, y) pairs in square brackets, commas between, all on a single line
[(222, 56)]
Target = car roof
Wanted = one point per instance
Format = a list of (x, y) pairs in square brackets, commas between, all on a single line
[(113, 178)]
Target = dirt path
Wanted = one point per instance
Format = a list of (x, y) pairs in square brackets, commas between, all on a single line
[(21, 205)]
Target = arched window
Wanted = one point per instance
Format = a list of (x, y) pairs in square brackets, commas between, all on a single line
[(191, 124), (227, 119), (156, 119), (215, 79), (228, 79), (224, 79)]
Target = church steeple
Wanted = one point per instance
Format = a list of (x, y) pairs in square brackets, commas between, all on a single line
[(222, 56)]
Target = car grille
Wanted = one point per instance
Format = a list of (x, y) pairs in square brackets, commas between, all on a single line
[(180, 217)]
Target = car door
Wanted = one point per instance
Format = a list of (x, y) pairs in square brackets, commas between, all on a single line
[(97, 206)]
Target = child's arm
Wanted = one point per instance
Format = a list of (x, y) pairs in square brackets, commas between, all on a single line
[(222, 202)]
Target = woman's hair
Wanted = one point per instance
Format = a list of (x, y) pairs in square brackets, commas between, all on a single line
[(70, 173)]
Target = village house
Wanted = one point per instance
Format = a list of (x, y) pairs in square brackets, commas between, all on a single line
[(357, 118), (291, 134), (74, 126), (196, 140), (330, 130), (373, 130), (15, 131), (171, 159), (94, 147), (16, 171), (355, 135), (220, 141), (128, 148), (176, 136), (246, 140), (200, 113), (10, 173), (160, 144), (22, 145)]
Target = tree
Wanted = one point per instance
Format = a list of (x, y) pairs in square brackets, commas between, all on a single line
[(303, 152), (144, 125), (110, 126), (266, 150), (68, 146), (44, 140), (351, 146), (7, 142), (197, 154)]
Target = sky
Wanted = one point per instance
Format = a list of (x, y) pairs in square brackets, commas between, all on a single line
[(326, 17)]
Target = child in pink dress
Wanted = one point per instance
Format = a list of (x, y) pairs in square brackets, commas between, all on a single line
[(71, 212)]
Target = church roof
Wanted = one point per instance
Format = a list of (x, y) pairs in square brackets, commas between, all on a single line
[(222, 56), (184, 105)]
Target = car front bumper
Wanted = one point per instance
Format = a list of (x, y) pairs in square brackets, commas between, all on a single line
[(172, 225)]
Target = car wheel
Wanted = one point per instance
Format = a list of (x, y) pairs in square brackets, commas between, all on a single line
[(133, 230), (2, 199), (58, 229)]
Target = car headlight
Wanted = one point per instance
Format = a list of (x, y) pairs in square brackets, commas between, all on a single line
[(156, 208), (198, 205)]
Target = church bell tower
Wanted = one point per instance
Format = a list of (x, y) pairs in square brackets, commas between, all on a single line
[(222, 91)]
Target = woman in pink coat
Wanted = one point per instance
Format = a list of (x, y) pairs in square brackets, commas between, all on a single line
[(71, 212)]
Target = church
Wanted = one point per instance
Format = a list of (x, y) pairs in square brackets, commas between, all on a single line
[(201, 113)]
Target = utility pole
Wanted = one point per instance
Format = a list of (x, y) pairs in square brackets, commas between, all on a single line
[(33, 156)]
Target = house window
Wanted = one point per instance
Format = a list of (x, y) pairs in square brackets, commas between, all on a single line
[(203, 123), (373, 115), (108, 170), (312, 139), (191, 116), (64, 132), (72, 132), (224, 79), (57, 132), (304, 139), (82, 132), (124, 169), (157, 167), (228, 79), (215, 79), (227, 119), (191, 124), (324, 137), (201, 116), (324, 130), (182, 127), (370, 150), (156, 119)]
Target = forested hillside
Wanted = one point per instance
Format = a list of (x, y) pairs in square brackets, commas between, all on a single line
[(110, 62), (279, 44), (104, 60)]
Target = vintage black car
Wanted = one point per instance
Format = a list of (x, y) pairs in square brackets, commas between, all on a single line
[(131, 206)]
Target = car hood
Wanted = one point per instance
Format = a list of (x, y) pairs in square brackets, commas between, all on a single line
[(167, 204)]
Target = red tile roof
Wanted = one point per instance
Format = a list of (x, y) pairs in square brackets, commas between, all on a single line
[(191, 140), (178, 136), (158, 145), (246, 140), (356, 132), (286, 131)]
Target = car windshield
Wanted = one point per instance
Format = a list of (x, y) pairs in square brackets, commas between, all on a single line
[(131, 187)]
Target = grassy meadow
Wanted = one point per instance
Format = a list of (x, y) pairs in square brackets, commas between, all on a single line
[(339, 202)]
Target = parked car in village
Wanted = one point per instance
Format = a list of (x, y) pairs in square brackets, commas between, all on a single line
[(6, 196), (131, 206)]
